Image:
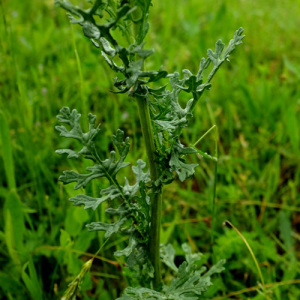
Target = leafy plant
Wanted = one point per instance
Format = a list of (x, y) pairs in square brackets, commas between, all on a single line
[(162, 119)]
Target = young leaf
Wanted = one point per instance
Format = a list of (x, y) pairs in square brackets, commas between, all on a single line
[(183, 170), (110, 229), (141, 177), (86, 139), (167, 254), (215, 57), (107, 47), (133, 242), (237, 40), (89, 202)]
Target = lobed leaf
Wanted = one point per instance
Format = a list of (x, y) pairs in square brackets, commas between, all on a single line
[(237, 40), (138, 261), (89, 202), (82, 180), (86, 139), (109, 229), (177, 164), (141, 176), (71, 153), (215, 57), (189, 284), (133, 242), (167, 254), (107, 47)]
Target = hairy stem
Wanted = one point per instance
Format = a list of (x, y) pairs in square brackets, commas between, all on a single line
[(156, 200)]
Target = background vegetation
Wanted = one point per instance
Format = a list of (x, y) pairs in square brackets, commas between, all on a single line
[(45, 64)]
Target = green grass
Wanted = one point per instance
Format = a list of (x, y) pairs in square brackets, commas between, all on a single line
[(46, 64)]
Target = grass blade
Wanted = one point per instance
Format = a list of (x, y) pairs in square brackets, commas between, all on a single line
[(31, 281), (7, 152), (14, 226), (252, 255)]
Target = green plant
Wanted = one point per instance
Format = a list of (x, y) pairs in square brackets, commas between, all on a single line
[(162, 120)]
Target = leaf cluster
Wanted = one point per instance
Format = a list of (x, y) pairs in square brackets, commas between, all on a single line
[(133, 213), (190, 283), (168, 116), (168, 119)]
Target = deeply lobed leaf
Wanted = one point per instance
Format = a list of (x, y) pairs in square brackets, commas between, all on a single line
[(133, 215), (109, 193), (189, 284)]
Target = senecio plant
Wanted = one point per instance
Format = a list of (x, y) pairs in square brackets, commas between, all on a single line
[(162, 120)]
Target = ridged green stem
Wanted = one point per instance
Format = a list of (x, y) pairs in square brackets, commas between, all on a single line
[(156, 200)]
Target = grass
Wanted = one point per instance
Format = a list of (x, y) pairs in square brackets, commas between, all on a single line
[(45, 64)]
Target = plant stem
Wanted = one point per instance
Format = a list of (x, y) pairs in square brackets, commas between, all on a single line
[(156, 200), (156, 197)]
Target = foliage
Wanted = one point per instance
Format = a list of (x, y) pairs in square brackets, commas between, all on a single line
[(165, 151), (190, 281), (133, 212), (254, 101)]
